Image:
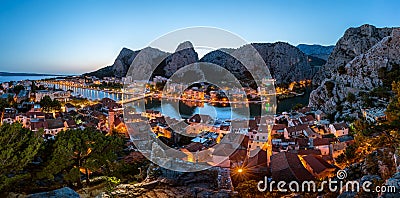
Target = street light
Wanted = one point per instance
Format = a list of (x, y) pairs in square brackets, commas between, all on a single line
[(240, 170)]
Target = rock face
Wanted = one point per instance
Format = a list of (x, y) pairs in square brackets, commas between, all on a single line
[(362, 72), (354, 42), (184, 55), (62, 192), (285, 62), (318, 51), (123, 61), (394, 182)]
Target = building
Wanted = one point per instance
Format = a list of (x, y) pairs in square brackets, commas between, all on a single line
[(374, 114), (308, 119), (62, 96), (258, 161), (318, 167), (295, 131), (54, 126), (287, 167), (319, 115), (322, 144), (69, 107), (200, 118), (339, 129), (22, 95)]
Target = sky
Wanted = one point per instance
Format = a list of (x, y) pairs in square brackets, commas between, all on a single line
[(77, 36)]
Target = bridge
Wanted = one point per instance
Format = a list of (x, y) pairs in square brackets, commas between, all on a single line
[(133, 99)]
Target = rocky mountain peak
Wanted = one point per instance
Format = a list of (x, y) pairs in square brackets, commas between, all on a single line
[(184, 45), (355, 41), (361, 74)]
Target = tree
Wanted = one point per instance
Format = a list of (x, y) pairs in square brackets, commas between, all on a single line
[(18, 88), (342, 70), (46, 103), (81, 151), (50, 105), (3, 104), (393, 109), (329, 88), (18, 146), (351, 97), (297, 106)]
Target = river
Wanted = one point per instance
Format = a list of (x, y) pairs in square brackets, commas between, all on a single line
[(186, 110)]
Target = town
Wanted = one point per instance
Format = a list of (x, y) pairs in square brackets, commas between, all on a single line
[(299, 145)]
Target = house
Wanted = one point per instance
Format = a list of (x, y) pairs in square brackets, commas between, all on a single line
[(9, 115), (69, 107), (54, 126), (295, 131), (22, 95), (287, 167), (318, 167), (70, 124), (7, 96), (308, 119), (240, 126), (339, 129), (322, 144), (200, 118), (151, 114), (319, 115), (374, 114), (258, 161), (62, 96), (37, 124), (278, 130), (35, 114)]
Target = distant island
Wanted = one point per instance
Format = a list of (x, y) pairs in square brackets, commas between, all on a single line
[(26, 74)]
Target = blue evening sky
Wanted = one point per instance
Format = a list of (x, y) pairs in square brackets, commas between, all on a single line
[(76, 36)]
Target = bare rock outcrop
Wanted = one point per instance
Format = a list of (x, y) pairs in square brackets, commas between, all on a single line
[(359, 74), (354, 42), (285, 62)]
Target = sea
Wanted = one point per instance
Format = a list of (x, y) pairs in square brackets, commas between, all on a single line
[(19, 78)]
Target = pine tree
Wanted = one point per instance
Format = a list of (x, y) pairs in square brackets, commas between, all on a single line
[(18, 146), (81, 151)]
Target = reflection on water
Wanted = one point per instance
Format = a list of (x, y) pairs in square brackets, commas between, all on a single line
[(185, 109), (287, 104), (178, 109), (90, 93)]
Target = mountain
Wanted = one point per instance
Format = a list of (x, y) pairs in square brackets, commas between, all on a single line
[(183, 55), (354, 42), (371, 68), (315, 50), (280, 58)]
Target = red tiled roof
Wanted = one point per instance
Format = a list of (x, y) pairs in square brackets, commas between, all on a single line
[(297, 128), (278, 127), (194, 146), (308, 151), (322, 141), (340, 126), (308, 118), (288, 167), (258, 158), (317, 163)]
